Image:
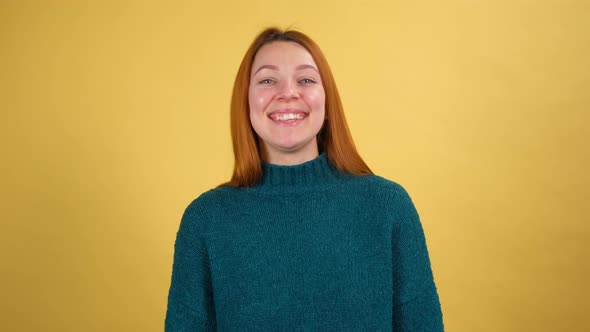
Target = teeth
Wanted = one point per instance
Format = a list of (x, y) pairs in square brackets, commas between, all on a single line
[(288, 116)]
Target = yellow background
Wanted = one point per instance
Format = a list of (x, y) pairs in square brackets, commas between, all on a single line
[(114, 116)]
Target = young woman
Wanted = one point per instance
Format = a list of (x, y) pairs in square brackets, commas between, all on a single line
[(303, 236)]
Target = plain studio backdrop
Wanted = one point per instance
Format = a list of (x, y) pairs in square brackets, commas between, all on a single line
[(115, 115)]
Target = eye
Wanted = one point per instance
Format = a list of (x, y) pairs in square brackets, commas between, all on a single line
[(307, 81), (266, 81)]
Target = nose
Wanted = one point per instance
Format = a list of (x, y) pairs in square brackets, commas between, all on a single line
[(287, 91)]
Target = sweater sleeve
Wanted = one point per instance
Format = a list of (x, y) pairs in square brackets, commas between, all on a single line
[(416, 306), (190, 299)]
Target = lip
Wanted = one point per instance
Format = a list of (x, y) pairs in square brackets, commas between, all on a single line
[(289, 123), (287, 110)]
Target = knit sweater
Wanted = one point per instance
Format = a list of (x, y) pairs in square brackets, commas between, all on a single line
[(307, 249)]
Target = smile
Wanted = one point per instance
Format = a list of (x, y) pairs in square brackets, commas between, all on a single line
[(285, 117)]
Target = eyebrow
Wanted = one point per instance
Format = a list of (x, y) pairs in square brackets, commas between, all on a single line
[(300, 67), (272, 67)]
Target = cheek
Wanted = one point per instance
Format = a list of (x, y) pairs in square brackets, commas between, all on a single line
[(316, 99), (258, 100)]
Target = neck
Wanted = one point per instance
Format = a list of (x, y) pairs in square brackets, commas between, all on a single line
[(287, 158), (315, 173)]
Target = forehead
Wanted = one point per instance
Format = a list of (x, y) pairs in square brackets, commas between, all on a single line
[(282, 53)]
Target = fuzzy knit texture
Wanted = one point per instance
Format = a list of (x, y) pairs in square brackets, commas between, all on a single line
[(307, 249)]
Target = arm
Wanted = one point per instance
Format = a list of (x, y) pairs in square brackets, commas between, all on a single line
[(416, 305), (190, 300)]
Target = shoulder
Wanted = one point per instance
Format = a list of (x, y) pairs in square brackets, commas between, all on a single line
[(201, 210), (392, 196), (378, 185), (209, 201)]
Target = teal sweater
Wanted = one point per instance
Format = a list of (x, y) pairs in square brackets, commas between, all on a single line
[(307, 249)]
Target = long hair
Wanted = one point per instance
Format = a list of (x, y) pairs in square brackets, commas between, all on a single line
[(334, 138)]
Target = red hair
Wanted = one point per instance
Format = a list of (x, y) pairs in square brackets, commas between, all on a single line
[(334, 138)]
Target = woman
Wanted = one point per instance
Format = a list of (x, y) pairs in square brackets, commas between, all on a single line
[(303, 236)]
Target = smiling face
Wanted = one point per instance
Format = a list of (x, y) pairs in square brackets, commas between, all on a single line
[(287, 102)]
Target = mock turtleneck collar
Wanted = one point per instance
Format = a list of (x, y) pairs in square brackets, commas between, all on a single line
[(314, 173)]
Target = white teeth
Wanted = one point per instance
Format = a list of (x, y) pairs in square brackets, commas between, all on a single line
[(287, 116)]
